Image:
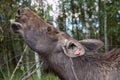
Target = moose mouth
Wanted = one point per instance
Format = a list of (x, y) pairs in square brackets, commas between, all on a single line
[(15, 27)]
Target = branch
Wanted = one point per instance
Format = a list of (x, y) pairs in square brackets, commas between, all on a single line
[(26, 77), (20, 60), (29, 70)]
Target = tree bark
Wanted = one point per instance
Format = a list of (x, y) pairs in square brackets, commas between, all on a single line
[(37, 60), (86, 20), (105, 28)]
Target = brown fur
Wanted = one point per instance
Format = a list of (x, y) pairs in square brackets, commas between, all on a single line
[(47, 41)]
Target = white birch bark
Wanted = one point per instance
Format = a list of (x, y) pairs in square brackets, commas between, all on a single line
[(105, 29), (96, 18), (37, 60), (86, 19), (27, 61)]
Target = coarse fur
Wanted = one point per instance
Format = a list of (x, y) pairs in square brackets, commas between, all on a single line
[(48, 42)]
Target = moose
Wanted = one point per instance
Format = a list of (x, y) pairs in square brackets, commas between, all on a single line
[(66, 57)]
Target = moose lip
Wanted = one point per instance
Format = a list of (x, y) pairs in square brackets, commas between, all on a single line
[(15, 27)]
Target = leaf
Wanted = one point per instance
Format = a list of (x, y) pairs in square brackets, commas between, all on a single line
[(49, 7), (12, 20), (22, 68), (1, 38)]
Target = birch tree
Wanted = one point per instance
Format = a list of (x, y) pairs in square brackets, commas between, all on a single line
[(86, 19), (105, 27)]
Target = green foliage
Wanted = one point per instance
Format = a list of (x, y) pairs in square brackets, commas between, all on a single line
[(19, 73), (49, 77)]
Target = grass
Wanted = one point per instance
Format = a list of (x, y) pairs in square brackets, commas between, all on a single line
[(33, 77), (18, 74)]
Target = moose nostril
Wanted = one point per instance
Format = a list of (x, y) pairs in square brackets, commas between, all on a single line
[(18, 11)]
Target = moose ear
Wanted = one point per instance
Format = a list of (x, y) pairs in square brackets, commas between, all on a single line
[(92, 44), (73, 48), (51, 29)]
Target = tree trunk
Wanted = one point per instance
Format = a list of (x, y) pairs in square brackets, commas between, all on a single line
[(37, 60), (105, 29), (86, 19), (27, 61), (97, 22)]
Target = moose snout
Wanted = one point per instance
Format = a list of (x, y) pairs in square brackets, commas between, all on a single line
[(15, 27)]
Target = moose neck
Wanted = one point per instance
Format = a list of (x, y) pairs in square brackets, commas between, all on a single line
[(59, 63)]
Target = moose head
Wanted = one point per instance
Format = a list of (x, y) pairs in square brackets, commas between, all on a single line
[(43, 37)]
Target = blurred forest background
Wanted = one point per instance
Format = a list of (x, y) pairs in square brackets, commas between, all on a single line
[(81, 19)]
